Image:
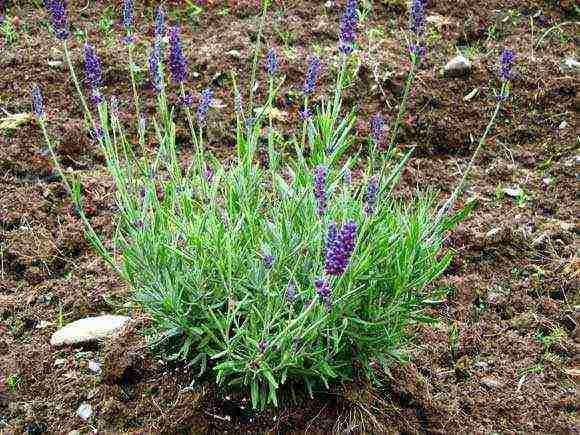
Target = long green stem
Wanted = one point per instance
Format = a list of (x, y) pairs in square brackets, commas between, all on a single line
[(257, 54), (77, 84), (134, 85), (449, 203), (403, 105), (400, 113)]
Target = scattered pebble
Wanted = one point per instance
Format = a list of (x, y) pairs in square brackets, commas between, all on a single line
[(55, 63), (548, 181), (235, 54), (491, 382), (85, 411), (481, 365), (514, 192), (457, 67), (490, 235), (563, 125), (571, 65), (87, 330), (60, 362), (44, 324), (94, 366)]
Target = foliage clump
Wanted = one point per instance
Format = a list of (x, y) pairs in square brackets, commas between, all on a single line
[(267, 273)]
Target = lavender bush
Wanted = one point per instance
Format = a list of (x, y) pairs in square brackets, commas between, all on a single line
[(267, 275)]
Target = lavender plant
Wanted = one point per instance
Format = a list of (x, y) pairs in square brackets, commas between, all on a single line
[(286, 274)]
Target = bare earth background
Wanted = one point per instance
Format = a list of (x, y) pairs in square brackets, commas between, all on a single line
[(512, 284)]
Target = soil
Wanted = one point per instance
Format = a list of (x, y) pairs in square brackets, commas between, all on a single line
[(502, 357)]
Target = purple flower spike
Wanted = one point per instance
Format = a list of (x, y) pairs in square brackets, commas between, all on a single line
[(338, 255), (291, 292), (128, 14), (377, 127), (37, 102), (268, 261), (93, 72), (57, 9), (272, 62), (320, 189), (312, 75), (371, 197), (348, 25), (324, 291), (305, 114), (177, 62), (506, 62), (206, 99), (262, 346), (417, 18), (331, 237), (155, 73), (160, 23), (186, 100)]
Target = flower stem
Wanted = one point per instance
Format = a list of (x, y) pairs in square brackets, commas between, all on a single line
[(77, 84)]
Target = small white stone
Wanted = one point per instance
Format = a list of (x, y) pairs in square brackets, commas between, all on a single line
[(59, 362), (94, 366), (85, 411), (88, 330), (491, 233), (457, 67), (44, 324), (571, 64), (490, 382), (563, 125), (55, 63), (513, 192)]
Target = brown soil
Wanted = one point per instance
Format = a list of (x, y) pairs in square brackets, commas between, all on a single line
[(511, 283)]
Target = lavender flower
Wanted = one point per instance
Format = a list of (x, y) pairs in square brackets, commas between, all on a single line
[(331, 237), (291, 292), (305, 114), (417, 18), (208, 174), (98, 133), (155, 73), (128, 14), (272, 62), (348, 25), (186, 100), (506, 62), (377, 127), (262, 346), (311, 75), (57, 9), (324, 291), (268, 261), (37, 102), (160, 23), (338, 255), (93, 72), (417, 27), (177, 62), (206, 99), (320, 189), (371, 197)]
